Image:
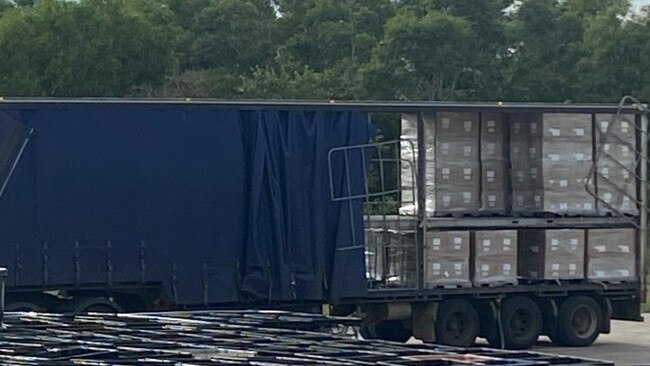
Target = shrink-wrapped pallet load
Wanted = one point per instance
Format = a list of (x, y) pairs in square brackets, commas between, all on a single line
[(495, 257), (551, 157), (390, 258), (551, 254), (617, 164), (611, 254), (408, 163), (493, 156), (446, 259), (457, 163)]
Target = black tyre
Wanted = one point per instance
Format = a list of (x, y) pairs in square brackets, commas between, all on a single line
[(96, 305), (457, 323), (521, 322), (578, 322), (22, 306), (388, 330)]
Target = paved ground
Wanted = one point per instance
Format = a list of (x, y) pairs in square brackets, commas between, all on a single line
[(627, 344)]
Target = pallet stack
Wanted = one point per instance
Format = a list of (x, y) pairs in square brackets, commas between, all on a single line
[(532, 165)]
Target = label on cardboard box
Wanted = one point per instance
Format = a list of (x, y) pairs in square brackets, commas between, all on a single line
[(624, 248), (624, 126), (604, 125), (468, 126), (624, 272), (467, 151), (492, 200), (554, 131), (490, 175), (600, 248), (445, 123), (579, 131)]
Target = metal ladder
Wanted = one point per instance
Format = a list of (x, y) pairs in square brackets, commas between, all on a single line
[(628, 186)]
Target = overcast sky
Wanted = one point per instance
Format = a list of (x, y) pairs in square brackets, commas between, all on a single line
[(637, 4)]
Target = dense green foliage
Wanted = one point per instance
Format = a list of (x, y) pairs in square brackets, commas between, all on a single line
[(530, 50)]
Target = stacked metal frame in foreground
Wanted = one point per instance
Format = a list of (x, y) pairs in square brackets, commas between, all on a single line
[(224, 337)]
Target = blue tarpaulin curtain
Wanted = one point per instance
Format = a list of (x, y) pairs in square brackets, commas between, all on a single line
[(227, 205)]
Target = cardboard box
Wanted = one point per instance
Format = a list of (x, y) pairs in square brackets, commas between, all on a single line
[(494, 177), (446, 259), (495, 257), (527, 201), (616, 182), (494, 201), (457, 198), (569, 126), (525, 126), (552, 156), (458, 150), (551, 254), (612, 254), (493, 136), (453, 125), (466, 175), (624, 127), (617, 188)]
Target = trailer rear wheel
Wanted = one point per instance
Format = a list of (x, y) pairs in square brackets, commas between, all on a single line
[(457, 323), (96, 305), (22, 306), (578, 322), (521, 321), (388, 330)]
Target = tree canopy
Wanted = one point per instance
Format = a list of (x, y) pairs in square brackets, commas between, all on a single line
[(527, 50)]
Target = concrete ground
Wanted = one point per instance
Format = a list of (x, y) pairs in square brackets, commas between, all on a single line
[(627, 344)]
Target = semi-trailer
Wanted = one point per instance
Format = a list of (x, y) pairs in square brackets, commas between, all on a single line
[(130, 205)]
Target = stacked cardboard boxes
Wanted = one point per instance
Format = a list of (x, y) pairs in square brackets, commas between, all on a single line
[(446, 259), (551, 254), (495, 257), (611, 254), (616, 181), (551, 157), (390, 258), (494, 171), (456, 162)]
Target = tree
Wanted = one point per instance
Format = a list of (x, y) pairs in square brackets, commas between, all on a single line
[(421, 57), (91, 48), (544, 45), (233, 34), (320, 33)]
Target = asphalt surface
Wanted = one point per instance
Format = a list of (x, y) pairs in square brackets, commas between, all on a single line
[(627, 344)]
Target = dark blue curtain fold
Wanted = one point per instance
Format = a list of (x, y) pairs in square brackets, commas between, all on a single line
[(226, 205)]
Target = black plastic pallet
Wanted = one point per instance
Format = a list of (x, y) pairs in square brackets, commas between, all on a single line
[(226, 338)]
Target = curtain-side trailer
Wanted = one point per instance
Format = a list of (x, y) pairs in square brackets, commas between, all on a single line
[(152, 204)]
